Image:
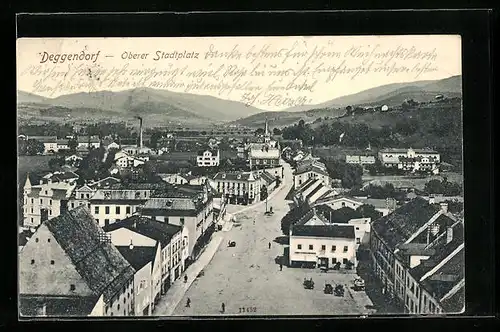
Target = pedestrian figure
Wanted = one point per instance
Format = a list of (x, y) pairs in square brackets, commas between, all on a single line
[(185, 279), (269, 245), (281, 267), (254, 221), (188, 303), (223, 307)]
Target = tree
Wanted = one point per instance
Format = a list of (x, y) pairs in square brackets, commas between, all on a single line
[(434, 187), (369, 211), (276, 131), (153, 141), (291, 217), (343, 215), (22, 147), (34, 147), (352, 175)]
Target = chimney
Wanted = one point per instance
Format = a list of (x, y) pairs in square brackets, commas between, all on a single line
[(449, 235), (131, 246), (444, 207)]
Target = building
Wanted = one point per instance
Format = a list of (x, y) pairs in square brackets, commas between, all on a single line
[(402, 239), (322, 245), (147, 278), (310, 169), (125, 161), (70, 268), (413, 160), (183, 179), (147, 232), (73, 160), (432, 275), (360, 159), (322, 215), (208, 158), (311, 191), (46, 199), (238, 187), (194, 214), (268, 181), (264, 154)]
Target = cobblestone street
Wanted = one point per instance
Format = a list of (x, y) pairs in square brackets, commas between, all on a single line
[(248, 281)]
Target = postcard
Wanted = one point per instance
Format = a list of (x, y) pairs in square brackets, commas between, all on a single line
[(240, 176)]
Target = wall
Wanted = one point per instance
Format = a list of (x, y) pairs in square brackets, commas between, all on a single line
[(309, 255), (143, 290), (43, 277), (157, 274), (101, 216), (121, 304)]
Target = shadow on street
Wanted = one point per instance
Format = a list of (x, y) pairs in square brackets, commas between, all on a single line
[(283, 240)]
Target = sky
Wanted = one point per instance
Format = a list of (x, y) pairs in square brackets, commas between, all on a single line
[(322, 55)]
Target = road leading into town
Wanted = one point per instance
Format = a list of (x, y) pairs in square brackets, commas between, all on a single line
[(247, 279)]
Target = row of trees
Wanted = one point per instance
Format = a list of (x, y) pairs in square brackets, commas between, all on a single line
[(443, 187)]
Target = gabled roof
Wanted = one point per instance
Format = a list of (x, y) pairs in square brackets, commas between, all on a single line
[(212, 151), (153, 229), (99, 263), (310, 167), (236, 176), (138, 257), (398, 226), (330, 231), (312, 213)]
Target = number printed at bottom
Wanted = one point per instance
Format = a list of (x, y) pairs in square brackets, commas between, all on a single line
[(243, 310)]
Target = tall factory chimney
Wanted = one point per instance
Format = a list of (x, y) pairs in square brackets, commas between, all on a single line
[(140, 131)]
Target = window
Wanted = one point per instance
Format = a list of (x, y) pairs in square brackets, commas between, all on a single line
[(72, 205), (32, 201), (357, 228), (32, 261), (358, 240), (118, 306), (127, 209), (96, 210), (345, 248), (41, 200), (182, 220), (87, 195), (31, 212), (117, 210), (299, 246), (106, 210), (72, 287), (311, 247), (36, 240), (334, 248), (48, 240), (334, 260), (323, 247), (52, 262), (50, 202), (106, 222), (343, 204), (345, 260)]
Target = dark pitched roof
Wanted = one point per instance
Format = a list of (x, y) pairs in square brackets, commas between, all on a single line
[(446, 277), (331, 231), (153, 229), (308, 215), (314, 191), (455, 303), (306, 185), (138, 257), (98, 262), (402, 223)]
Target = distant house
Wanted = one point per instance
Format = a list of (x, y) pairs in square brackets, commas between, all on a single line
[(208, 158), (384, 206), (360, 159), (70, 268), (183, 179), (238, 187), (310, 169), (411, 159), (128, 162), (73, 159)]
